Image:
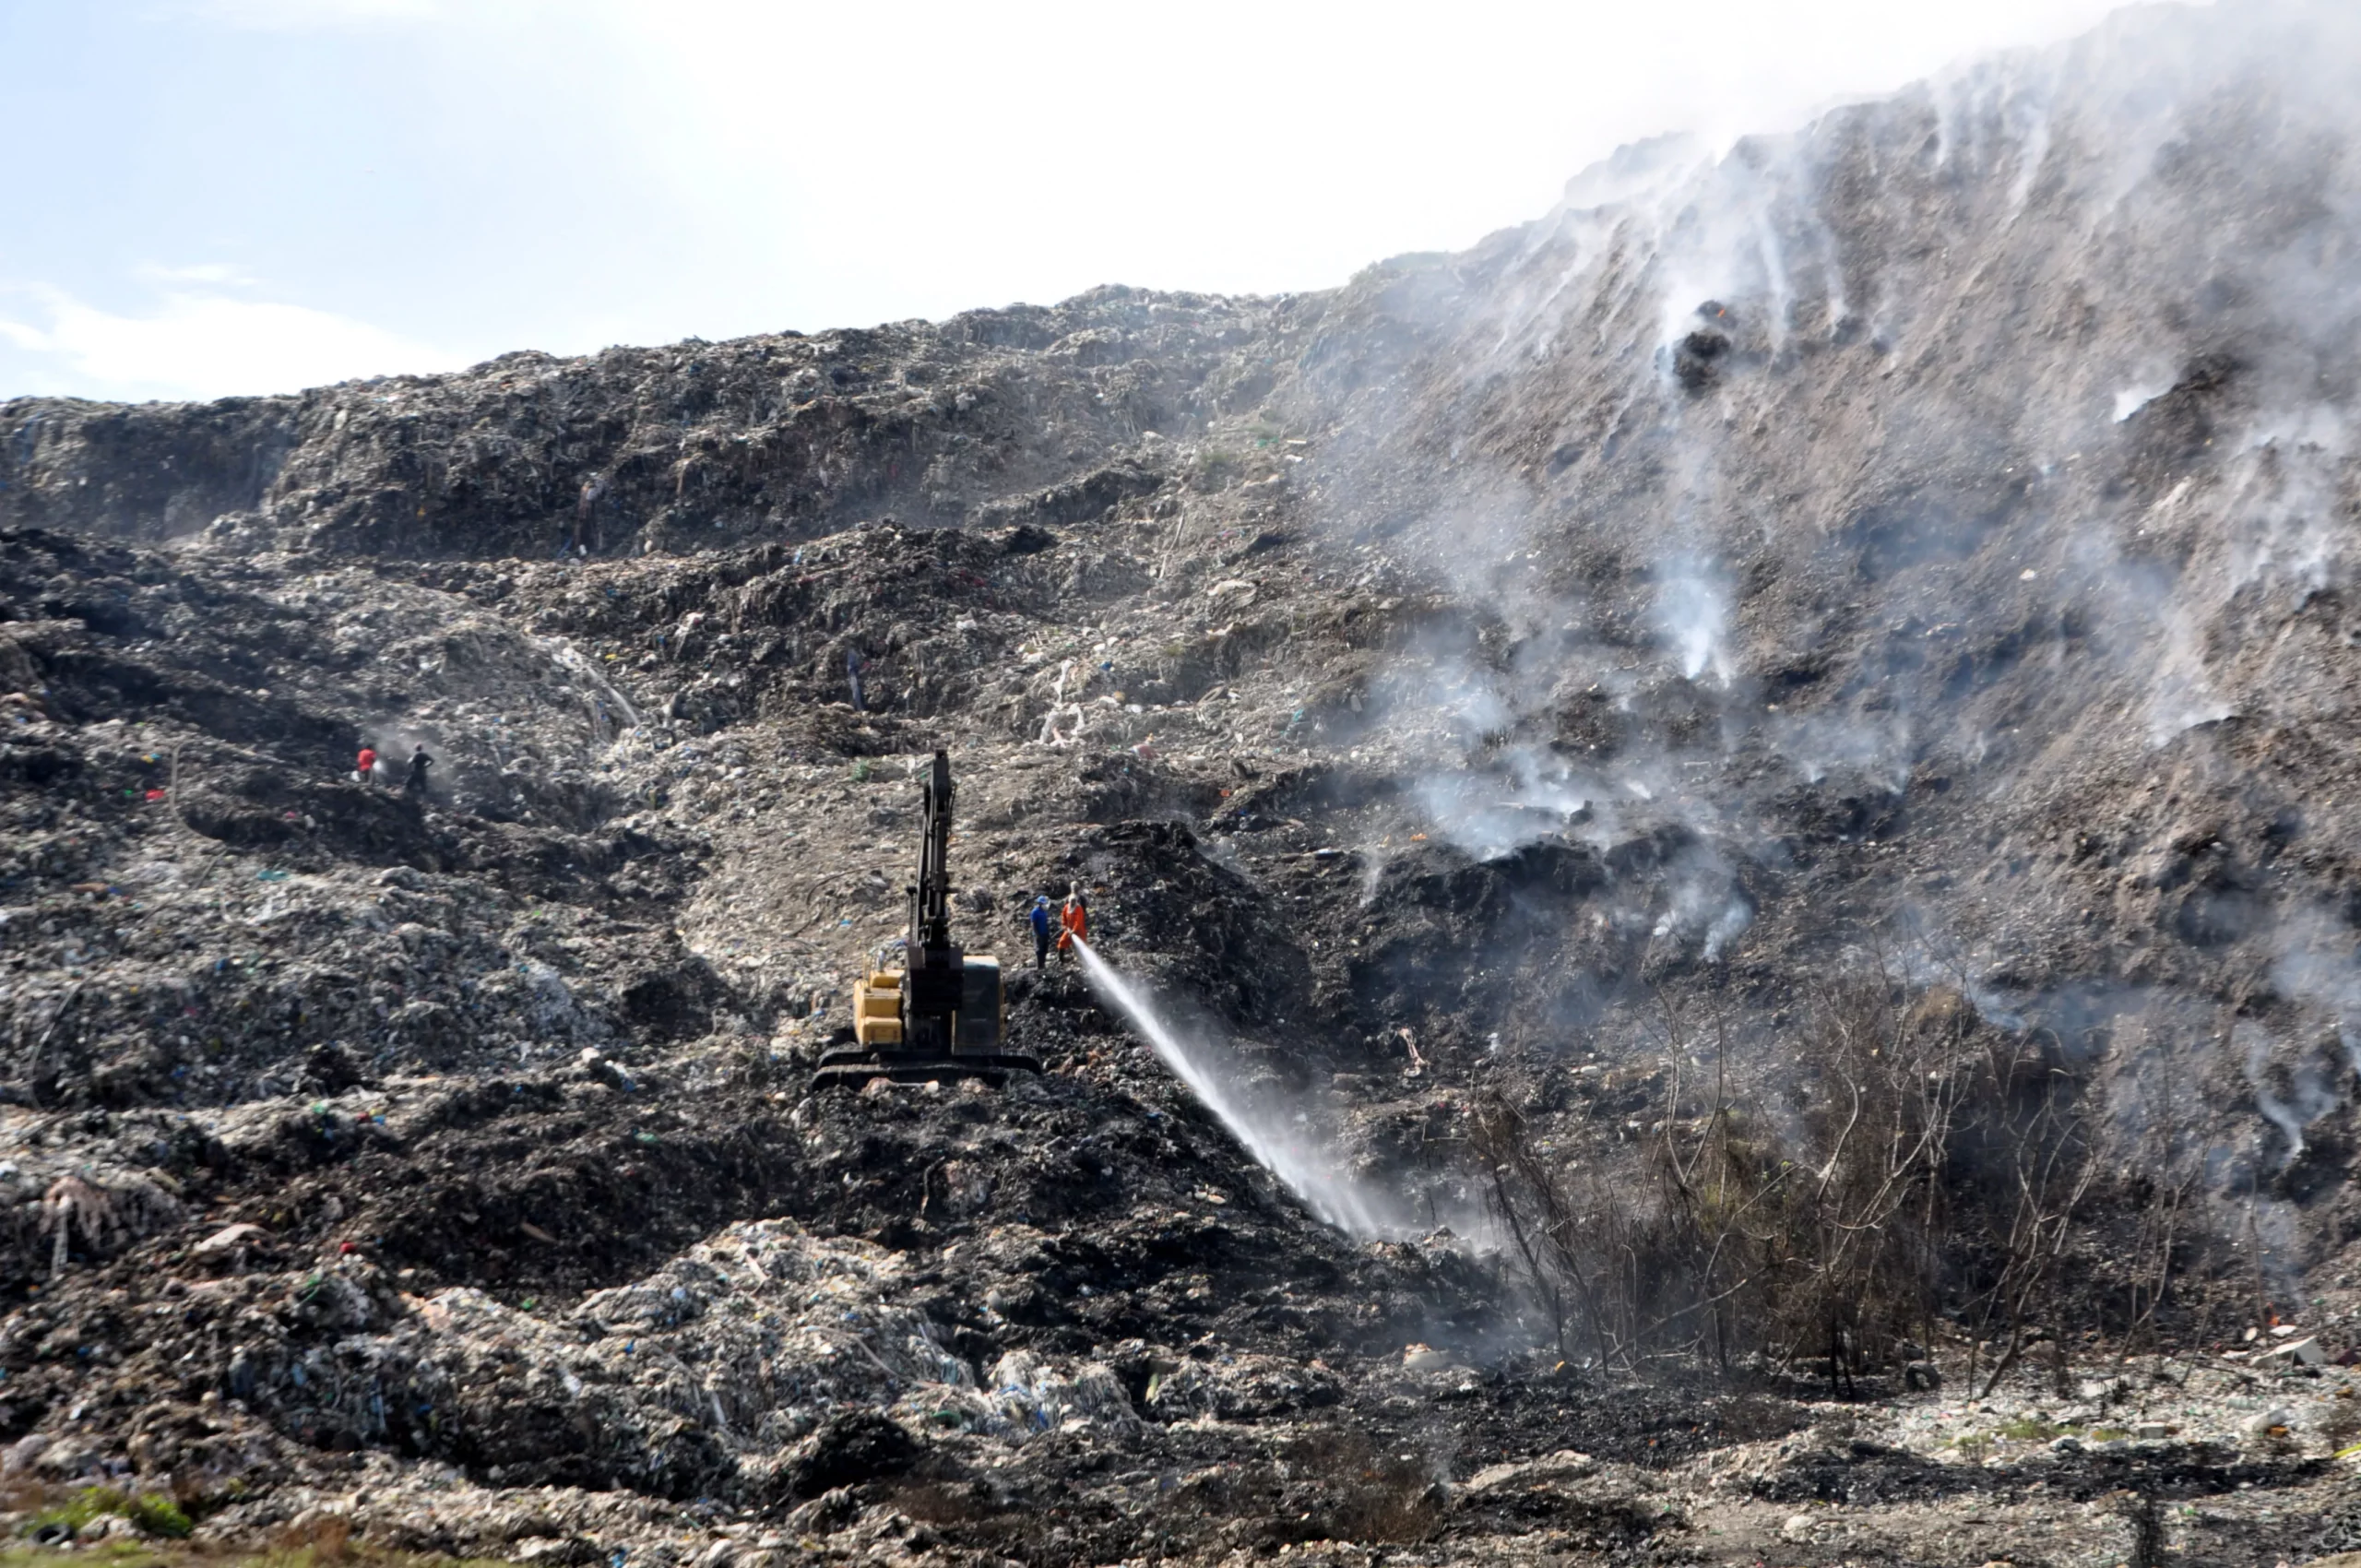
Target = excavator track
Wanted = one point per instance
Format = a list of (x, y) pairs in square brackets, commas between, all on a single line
[(856, 1068)]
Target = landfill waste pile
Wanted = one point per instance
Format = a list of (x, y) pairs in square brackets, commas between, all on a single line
[(1718, 840)]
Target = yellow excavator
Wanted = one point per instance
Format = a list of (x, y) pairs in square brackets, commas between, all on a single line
[(941, 1016)]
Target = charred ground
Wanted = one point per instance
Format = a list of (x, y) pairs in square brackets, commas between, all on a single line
[(1567, 719)]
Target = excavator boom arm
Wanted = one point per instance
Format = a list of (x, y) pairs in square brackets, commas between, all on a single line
[(931, 899), (944, 1013)]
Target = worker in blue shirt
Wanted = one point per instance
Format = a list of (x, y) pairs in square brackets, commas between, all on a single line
[(1044, 927)]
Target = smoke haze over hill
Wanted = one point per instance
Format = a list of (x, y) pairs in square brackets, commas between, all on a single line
[(1746, 789)]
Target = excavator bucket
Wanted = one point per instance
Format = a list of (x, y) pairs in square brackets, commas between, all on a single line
[(942, 1014)]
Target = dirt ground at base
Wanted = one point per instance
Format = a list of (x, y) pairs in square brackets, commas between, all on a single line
[(1544, 714)]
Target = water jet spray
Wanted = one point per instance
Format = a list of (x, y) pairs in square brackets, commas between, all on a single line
[(1284, 1145)]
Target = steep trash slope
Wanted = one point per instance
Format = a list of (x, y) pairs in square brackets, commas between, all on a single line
[(1915, 544)]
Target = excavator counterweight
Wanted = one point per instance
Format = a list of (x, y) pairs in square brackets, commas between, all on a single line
[(941, 1014)]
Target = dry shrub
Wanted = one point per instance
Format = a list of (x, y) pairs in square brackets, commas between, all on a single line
[(1826, 1221)]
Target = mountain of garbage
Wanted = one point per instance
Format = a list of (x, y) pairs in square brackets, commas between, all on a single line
[(1736, 808)]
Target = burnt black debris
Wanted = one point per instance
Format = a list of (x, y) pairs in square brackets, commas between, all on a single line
[(1562, 759)]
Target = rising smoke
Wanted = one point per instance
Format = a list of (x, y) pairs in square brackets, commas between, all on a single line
[(1973, 468)]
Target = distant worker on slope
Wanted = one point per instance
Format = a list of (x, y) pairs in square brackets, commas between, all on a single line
[(1043, 924), (366, 766), (1076, 919), (419, 763)]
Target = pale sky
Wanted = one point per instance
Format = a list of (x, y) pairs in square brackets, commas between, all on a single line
[(215, 196)]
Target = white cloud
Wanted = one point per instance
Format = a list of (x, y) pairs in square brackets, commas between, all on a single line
[(302, 16), (1026, 150), (202, 345), (219, 273)]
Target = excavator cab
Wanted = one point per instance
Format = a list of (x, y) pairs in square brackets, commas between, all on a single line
[(941, 1014)]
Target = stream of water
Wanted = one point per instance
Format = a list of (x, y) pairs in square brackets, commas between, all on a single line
[(1283, 1137)]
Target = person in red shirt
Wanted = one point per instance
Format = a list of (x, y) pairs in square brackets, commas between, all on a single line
[(1074, 919), (367, 765)]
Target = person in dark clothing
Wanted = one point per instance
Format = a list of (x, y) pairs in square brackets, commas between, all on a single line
[(1044, 929), (419, 763), (854, 666)]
